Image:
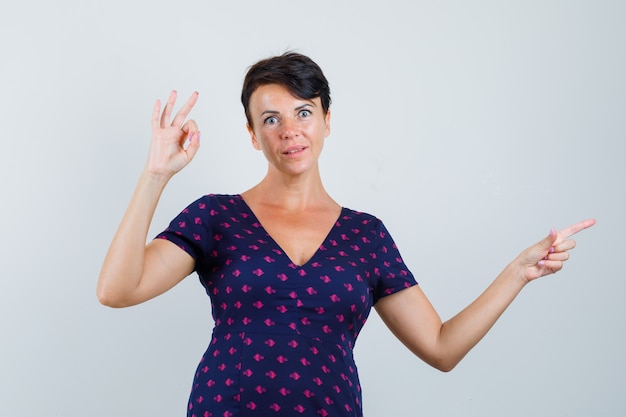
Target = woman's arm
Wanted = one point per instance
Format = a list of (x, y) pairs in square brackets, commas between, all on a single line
[(411, 317), (133, 272)]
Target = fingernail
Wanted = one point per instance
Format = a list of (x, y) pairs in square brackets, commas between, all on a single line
[(541, 263), (551, 249)]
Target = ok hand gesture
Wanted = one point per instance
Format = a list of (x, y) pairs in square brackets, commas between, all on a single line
[(174, 142)]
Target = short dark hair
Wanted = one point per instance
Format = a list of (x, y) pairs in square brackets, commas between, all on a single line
[(297, 73)]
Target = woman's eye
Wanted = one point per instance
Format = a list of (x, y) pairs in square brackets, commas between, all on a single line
[(304, 113), (271, 120)]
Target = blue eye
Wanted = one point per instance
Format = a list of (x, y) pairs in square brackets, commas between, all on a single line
[(271, 120), (304, 113)]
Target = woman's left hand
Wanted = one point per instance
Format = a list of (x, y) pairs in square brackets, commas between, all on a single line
[(547, 256), (443, 345)]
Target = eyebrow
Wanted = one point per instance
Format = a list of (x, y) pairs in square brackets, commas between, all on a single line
[(296, 109), (303, 106)]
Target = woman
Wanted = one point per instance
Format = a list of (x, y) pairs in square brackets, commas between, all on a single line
[(292, 274)]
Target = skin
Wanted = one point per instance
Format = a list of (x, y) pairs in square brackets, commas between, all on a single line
[(290, 201), (294, 208)]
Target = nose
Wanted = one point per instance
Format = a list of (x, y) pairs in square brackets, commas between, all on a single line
[(289, 129)]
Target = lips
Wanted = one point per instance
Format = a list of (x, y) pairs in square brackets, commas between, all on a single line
[(294, 150)]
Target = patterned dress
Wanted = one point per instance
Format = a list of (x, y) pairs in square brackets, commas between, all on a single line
[(283, 336)]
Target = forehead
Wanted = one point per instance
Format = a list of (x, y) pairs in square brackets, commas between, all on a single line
[(275, 96)]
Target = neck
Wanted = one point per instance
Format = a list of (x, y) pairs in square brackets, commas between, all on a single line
[(290, 193)]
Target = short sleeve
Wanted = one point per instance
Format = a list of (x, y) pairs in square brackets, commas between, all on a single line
[(190, 230), (391, 272)]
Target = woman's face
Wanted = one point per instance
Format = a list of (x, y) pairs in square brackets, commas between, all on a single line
[(290, 131)]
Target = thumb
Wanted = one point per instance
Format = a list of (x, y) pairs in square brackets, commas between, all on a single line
[(546, 243), (538, 253), (193, 145), (535, 260)]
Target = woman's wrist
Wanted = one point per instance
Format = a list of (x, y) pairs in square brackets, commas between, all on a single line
[(156, 178), (516, 272)]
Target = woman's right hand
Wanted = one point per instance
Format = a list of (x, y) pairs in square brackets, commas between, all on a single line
[(174, 141), (133, 272)]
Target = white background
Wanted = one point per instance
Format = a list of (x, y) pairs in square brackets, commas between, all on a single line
[(470, 128)]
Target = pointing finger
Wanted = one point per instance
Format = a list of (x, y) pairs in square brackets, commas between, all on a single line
[(575, 228), (190, 126)]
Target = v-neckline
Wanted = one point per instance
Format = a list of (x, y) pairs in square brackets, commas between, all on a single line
[(280, 248)]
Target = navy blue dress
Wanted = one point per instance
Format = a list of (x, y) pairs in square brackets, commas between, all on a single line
[(283, 336)]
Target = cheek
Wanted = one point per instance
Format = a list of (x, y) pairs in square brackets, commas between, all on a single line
[(254, 138)]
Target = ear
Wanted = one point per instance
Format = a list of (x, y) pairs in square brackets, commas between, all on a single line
[(255, 142), (327, 121)]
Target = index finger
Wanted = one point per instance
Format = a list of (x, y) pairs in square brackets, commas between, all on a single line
[(182, 114), (575, 228)]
